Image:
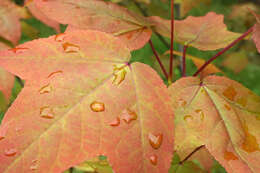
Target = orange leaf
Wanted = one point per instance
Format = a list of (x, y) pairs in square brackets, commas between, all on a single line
[(222, 115), (99, 15), (205, 33), (9, 21), (6, 81), (30, 4), (77, 86)]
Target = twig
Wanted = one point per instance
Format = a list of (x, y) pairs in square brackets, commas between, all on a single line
[(158, 59), (223, 51), (172, 39), (194, 151)]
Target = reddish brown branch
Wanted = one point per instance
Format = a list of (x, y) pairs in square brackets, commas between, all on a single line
[(223, 51), (158, 59), (172, 39), (194, 151)]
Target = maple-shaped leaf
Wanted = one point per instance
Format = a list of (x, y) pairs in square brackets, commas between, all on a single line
[(99, 15), (83, 99), (204, 33), (256, 32), (222, 115), (10, 15), (39, 15), (6, 83)]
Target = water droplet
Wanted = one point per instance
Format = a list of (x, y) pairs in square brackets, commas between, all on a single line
[(34, 167), (119, 74), (10, 152), (60, 37), (188, 118), (54, 73), (153, 159), (201, 114), (2, 136), (2, 133), (97, 106), (116, 122), (227, 107), (155, 140), (242, 101), (128, 115), (182, 102), (18, 129), (230, 93), (45, 89), (129, 35), (250, 143), (3, 130), (230, 156), (18, 49), (202, 91), (70, 48), (46, 112)]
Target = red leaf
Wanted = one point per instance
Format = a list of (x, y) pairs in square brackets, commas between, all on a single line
[(72, 95), (6, 82), (99, 15), (9, 21), (205, 32), (39, 15)]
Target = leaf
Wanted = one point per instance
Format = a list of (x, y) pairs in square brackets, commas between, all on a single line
[(30, 4), (256, 32), (6, 84), (204, 33), (99, 15), (10, 15), (187, 5), (220, 114), (236, 61), (198, 62), (83, 99)]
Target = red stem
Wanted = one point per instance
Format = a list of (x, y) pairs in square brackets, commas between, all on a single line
[(223, 51), (194, 151), (158, 59), (184, 61), (172, 39)]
